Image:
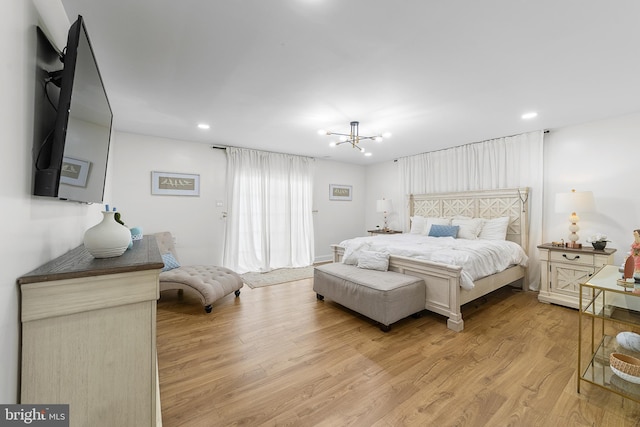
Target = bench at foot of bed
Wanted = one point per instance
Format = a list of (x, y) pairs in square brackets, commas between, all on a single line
[(384, 296)]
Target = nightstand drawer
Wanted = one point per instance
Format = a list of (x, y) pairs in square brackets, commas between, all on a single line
[(571, 257)]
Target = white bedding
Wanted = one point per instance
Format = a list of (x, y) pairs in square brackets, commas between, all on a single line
[(478, 258)]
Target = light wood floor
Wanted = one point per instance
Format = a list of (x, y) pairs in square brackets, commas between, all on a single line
[(277, 356)]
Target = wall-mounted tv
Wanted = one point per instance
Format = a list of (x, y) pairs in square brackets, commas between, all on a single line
[(73, 121)]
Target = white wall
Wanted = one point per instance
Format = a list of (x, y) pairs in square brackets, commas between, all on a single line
[(35, 230), (197, 223), (603, 157), (600, 156), (602, 152), (336, 220), (383, 181)]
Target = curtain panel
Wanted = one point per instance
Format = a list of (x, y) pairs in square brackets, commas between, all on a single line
[(269, 200), (514, 161)]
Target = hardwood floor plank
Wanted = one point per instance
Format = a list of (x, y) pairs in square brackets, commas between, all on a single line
[(278, 356)]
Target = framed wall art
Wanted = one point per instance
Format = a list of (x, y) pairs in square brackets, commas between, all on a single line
[(339, 192), (175, 184), (74, 172)]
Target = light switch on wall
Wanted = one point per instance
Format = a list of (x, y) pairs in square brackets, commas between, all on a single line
[(219, 203)]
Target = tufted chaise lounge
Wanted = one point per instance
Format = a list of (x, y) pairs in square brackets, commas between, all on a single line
[(209, 282)]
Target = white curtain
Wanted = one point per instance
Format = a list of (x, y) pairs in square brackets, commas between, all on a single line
[(510, 162), (269, 222)]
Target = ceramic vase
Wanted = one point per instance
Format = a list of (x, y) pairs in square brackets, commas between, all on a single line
[(107, 239)]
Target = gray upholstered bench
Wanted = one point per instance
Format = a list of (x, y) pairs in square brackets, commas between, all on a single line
[(384, 296)]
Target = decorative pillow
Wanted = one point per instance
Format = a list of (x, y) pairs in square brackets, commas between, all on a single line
[(352, 251), (371, 260), (437, 221), (469, 228), (444, 230), (417, 224), (494, 229), (170, 262)]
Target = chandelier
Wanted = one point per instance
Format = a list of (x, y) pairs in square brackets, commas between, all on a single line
[(354, 138)]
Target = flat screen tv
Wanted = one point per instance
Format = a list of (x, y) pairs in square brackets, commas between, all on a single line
[(71, 141)]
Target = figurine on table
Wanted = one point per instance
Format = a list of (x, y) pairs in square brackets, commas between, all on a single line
[(635, 252)]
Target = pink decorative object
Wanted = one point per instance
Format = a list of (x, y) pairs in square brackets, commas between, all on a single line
[(635, 250), (629, 267)]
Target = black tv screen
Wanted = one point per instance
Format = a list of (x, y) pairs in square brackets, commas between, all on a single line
[(71, 160)]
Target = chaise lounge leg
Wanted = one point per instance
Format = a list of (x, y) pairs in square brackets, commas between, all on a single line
[(208, 308), (237, 293), (320, 297), (385, 328)]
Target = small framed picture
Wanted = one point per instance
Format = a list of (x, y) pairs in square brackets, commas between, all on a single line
[(339, 192), (74, 172), (175, 184)]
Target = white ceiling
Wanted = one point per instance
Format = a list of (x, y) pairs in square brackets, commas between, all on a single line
[(267, 74)]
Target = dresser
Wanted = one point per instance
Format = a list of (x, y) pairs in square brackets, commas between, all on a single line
[(89, 336), (564, 269)]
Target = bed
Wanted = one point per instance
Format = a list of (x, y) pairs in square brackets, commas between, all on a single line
[(445, 292)]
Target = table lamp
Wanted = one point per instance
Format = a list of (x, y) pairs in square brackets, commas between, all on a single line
[(384, 206), (575, 201)]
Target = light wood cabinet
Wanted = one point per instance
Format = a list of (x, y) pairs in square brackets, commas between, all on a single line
[(564, 269), (89, 336)]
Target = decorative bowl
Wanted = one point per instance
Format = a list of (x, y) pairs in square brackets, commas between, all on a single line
[(626, 367), (629, 341), (599, 245)]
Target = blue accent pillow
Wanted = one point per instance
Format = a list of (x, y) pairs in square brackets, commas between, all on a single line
[(444, 230), (170, 262)]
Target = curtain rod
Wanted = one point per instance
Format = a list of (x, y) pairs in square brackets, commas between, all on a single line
[(469, 143), (224, 147)]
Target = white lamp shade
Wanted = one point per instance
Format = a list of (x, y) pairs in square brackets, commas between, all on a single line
[(384, 205), (575, 201)]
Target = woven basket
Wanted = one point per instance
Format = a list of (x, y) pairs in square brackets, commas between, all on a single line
[(627, 364)]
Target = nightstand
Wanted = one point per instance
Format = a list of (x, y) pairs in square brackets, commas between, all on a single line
[(564, 269), (381, 231)]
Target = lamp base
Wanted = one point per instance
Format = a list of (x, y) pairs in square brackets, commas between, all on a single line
[(573, 245)]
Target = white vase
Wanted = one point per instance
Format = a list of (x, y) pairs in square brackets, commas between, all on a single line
[(107, 239)]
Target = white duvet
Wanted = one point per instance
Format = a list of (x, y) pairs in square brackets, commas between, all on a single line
[(478, 258)]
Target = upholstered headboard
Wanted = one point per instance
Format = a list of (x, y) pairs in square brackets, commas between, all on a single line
[(513, 202)]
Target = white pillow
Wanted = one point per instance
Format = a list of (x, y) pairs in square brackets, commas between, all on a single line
[(373, 260), (417, 224), (461, 217), (494, 229), (352, 252), (469, 228), (434, 221)]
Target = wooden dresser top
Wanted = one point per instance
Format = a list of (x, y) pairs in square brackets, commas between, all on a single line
[(144, 255)]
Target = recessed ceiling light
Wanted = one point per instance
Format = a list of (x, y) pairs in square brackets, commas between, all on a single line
[(203, 126), (531, 115)]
